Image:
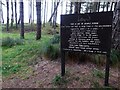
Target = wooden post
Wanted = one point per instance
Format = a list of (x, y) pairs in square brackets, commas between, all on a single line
[(62, 63), (107, 71)]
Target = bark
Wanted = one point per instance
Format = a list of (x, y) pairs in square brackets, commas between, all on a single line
[(19, 21), (54, 11), (46, 11), (19, 16), (115, 5), (108, 4), (54, 18), (79, 8), (76, 8), (103, 6), (12, 19), (7, 2), (2, 17), (66, 8), (0, 13), (98, 6), (94, 7), (116, 27), (30, 11), (44, 14), (87, 8), (111, 6), (33, 11), (16, 14), (71, 5), (38, 10), (22, 19), (52, 4)]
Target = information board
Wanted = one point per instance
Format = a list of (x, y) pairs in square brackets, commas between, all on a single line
[(88, 33)]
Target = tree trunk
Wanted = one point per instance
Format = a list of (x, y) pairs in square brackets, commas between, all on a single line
[(94, 9), (52, 7), (98, 6), (12, 19), (33, 11), (79, 8), (46, 11), (44, 14), (2, 17), (22, 19), (115, 6), (111, 6), (1, 13), (103, 6), (38, 10), (30, 11), (87, 7), (16, 14), (19, 16), (66, 8), (54, 11), (116, 27), (108, 4), (76, 8), (7, 2), (71, 5), (55, 18)]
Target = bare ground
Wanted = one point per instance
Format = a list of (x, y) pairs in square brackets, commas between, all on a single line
[(78, 76)]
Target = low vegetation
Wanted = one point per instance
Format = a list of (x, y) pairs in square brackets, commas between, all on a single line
[(18, 55), (58, 80), (16, 58), (9, 42), (97, 73)]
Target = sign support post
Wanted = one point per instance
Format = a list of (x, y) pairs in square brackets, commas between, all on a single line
[(62, 62), (107, 71)]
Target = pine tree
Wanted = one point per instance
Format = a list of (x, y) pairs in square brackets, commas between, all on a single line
[(38, 10), (16, 14), (12, 19), (7, 2), (22, 19)]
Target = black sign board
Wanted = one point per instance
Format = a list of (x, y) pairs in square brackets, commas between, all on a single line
[(88, 33)]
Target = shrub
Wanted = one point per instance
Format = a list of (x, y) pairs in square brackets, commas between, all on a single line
[(55, 39), (98, 73), (48, 29), (115, 57), (51, 50), (19, 41), (9, 42), (96, 84), (58, 80)]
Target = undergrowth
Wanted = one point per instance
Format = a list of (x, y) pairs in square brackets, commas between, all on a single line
[(9, 42)]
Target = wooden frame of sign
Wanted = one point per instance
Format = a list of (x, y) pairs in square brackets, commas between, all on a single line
[(87, 33)]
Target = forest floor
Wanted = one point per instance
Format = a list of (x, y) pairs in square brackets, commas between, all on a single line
[(46, 74), (24, 67)]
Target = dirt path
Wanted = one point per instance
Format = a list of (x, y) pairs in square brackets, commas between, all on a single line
[(78, 76)]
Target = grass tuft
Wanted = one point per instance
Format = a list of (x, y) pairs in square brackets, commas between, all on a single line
[(9, 42), (58, 80)]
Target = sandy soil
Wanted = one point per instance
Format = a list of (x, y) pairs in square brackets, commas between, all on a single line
[(78, 76)]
